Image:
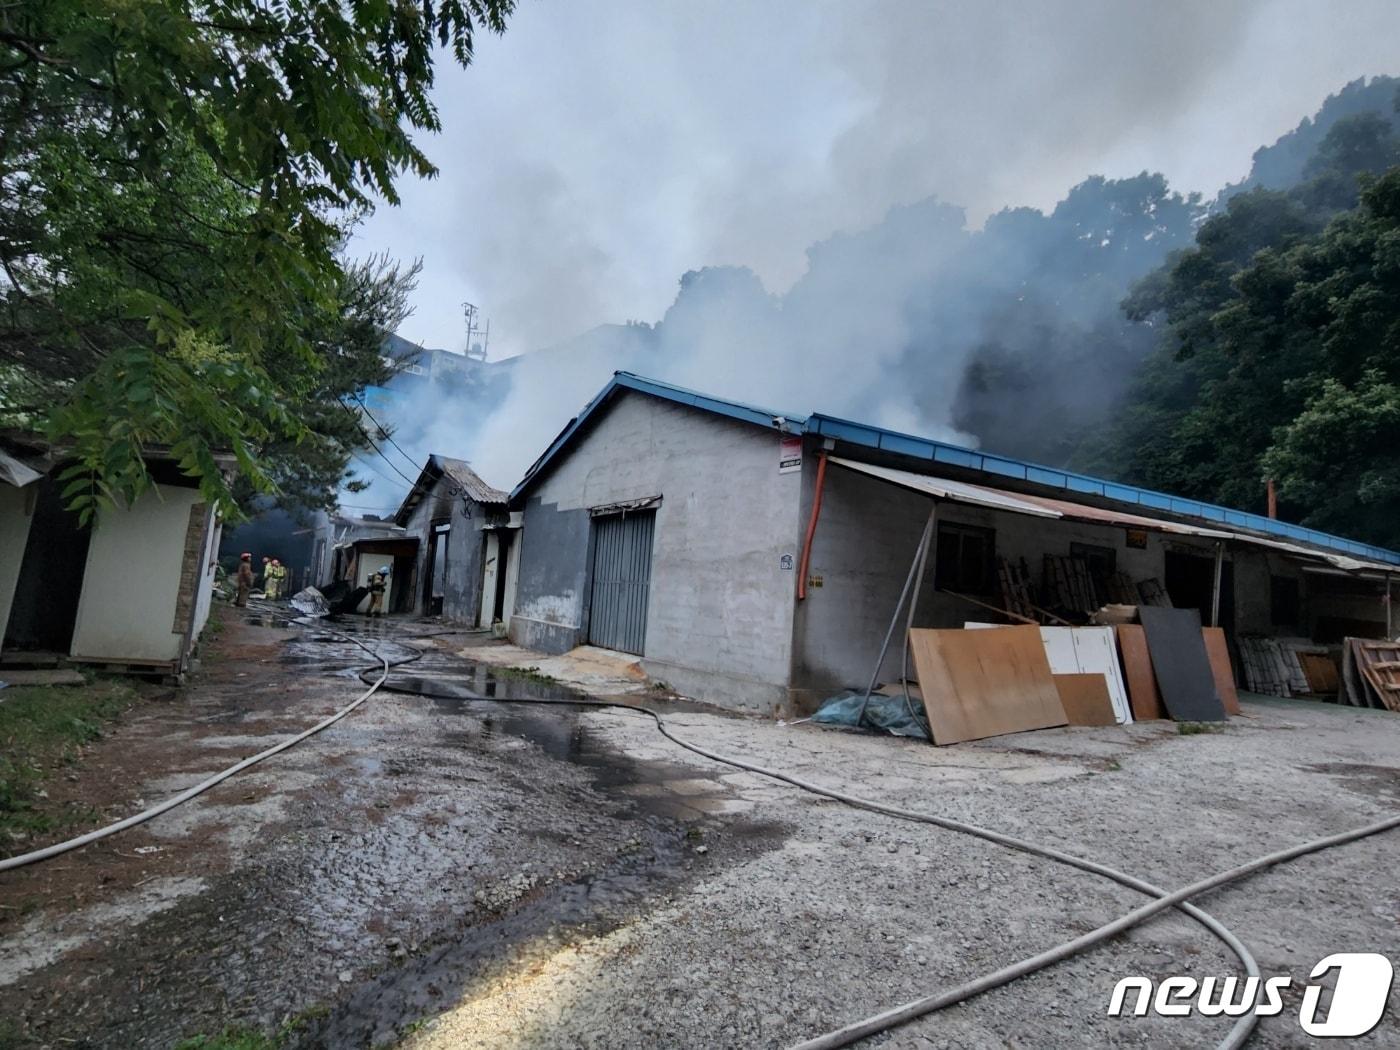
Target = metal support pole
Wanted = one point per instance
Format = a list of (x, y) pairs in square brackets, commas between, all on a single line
[(1215, 587), (910, 581), (1389, 613)]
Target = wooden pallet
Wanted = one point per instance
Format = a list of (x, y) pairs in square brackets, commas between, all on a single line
[(1068, 584), (1377, 665), (1016, 592)]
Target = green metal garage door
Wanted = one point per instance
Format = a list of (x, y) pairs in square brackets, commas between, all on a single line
[(617, 616)]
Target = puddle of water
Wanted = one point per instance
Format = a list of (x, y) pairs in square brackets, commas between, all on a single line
[(473, 701)]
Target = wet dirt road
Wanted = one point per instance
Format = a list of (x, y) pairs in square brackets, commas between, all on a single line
[(360, 882)]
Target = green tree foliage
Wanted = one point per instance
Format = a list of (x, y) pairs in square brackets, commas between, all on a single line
[(1281, 348), (176, 180)]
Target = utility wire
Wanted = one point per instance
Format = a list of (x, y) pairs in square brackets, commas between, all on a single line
[(385, 431), (412, 482)]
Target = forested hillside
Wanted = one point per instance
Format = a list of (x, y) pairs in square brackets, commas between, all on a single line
[(1278, 339)]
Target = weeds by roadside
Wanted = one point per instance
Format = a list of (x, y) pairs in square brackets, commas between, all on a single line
[(241, 1037), (1193, 728), (43, 729), (231, 1039), (528, 674)]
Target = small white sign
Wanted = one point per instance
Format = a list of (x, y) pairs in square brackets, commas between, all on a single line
[(790, 453)]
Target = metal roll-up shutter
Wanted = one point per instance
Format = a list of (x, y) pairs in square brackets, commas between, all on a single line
[(621, 580)]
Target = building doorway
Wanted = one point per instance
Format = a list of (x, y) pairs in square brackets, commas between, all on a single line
[(435, 572), (1190, 581), (621, 583)]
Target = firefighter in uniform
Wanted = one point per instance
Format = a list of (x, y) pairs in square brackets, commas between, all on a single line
[(378, 584), (244, 579)]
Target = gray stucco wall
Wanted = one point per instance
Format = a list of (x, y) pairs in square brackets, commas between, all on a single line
[(862, 551), (461, 601), (719, 618)]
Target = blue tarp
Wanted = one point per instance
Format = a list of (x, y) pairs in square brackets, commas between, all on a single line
[(890, 714)]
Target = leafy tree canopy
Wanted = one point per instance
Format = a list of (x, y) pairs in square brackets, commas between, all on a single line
[(1280, 351), (176, 182)]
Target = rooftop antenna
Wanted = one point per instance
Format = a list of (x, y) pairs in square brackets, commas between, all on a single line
[(476, 348)]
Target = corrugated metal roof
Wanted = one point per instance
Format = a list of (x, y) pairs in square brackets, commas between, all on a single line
[(1215, 519), (958, 491), (460, 471), (466, 481), (940, 452)]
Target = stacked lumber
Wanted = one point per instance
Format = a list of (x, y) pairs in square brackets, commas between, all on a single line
[(1370, 674), (1288, 667), (1266, 669)]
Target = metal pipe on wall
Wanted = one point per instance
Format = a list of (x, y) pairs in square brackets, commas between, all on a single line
[(811, 528)]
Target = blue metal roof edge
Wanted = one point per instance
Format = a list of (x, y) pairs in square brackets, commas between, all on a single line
[(679, 395), (1005, 466), (955, 455)]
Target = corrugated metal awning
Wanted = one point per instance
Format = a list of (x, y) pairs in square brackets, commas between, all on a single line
[(943, 488), (1045, 507), (1124, 519)]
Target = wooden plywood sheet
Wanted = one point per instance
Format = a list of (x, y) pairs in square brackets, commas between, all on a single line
[(1095, 652), (1086, 699), (1320, 672), (978, 684), (1180, 664), (1081, 650), (1220, 667), (1137, 669)]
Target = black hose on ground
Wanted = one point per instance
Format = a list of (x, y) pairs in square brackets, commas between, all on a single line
[(1242, 1027)]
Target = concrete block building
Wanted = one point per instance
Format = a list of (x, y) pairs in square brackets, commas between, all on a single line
[(130, 592), (753, 558), (462, 533)]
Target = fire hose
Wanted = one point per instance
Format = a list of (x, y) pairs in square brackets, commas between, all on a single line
[(884, 1020)]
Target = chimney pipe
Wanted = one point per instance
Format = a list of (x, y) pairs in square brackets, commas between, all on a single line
[(1273, 498)]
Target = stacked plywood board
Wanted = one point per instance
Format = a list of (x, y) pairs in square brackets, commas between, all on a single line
[(1288, 667), (978, 684), (1086, 700), (1137, 670), (1084, 650), (1181, 665), (1218, 652)]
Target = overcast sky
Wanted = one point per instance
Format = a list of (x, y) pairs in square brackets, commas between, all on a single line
[(598, 150)]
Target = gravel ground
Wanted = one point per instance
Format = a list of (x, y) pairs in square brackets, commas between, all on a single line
[(856, 912), (447, 873)]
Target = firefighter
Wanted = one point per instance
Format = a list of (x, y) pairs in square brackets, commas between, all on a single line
[(244, 579), (276, 573), (378, 584)]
